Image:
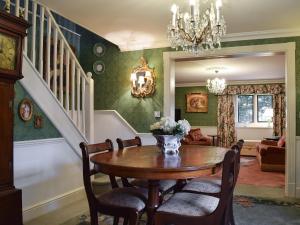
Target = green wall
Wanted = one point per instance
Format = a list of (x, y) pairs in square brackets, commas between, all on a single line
[(112, 88), (197, 119), (25, 130)]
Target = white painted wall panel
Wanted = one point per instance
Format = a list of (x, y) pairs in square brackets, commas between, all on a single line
[(45, 169), (110, 124)]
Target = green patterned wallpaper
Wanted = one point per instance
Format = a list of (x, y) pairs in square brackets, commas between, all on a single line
[(112, 88), (25, 130), (197, 119)]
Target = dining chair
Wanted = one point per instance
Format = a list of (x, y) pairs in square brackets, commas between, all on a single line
[(128, 203), (194, 208), (165, 186), (212, 186)]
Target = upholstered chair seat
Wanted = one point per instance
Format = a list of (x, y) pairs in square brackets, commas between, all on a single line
[(164, 185), (124, 197), (189, 204), (204, 185)]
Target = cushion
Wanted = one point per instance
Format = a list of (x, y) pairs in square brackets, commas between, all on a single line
[(124, 197), (204, 185), (196, 134), (281, 142), (188, 204), (164, 185)]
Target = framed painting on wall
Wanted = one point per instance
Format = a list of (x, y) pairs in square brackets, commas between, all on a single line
[(197, 102)]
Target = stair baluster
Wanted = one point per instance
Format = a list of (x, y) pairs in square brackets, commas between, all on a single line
[(52, 56)]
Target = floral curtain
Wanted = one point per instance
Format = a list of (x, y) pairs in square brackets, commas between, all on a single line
[(226, 123), (279, 114)]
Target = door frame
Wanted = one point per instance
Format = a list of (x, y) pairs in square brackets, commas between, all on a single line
[(288, 49)]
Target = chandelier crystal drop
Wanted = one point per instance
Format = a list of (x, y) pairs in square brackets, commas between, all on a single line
[(197, 31)]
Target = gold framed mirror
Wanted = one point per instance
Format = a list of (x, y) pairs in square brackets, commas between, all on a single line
[(143, 80)]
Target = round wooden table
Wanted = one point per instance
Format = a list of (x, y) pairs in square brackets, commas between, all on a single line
[(147, 162)]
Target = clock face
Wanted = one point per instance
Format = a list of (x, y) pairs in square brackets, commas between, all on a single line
[(8, 47)]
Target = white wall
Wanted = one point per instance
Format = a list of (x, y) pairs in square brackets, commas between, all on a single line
[(251, 133), (45, 170), (297, 167), (246, 133), (110, 124)]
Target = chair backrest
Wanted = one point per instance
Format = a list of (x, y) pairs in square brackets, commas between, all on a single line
[(129, 142), (238, 147), (228, 183), (88, 150)]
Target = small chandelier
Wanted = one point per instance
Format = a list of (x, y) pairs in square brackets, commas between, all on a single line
[(193, 31), (216, 85)]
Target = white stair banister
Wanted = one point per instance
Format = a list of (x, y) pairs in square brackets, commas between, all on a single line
[(42, 19), (89, 100), (57, 66), (33, 41)]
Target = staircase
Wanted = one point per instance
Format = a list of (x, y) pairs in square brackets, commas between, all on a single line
[(54, 77)]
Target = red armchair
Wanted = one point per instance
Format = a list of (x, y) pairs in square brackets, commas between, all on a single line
[(271, 155), (195, 137)]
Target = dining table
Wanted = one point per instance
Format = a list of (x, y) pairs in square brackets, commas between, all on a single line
[(149, 163)]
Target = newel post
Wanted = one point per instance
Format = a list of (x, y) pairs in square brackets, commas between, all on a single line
[(90, 109)]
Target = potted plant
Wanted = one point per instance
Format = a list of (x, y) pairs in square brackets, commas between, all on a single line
[(168, 134)]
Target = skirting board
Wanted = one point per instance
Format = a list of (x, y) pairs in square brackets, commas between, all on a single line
[(52, 204)]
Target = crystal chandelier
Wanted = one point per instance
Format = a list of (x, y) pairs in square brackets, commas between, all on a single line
[(196, 31), (216, 85)]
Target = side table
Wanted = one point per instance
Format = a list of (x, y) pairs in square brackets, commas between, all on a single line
[(215, 139)]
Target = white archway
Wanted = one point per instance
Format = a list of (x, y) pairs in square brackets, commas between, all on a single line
[(292, 182)]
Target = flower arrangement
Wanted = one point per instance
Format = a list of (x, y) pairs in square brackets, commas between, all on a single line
[(168, 126)]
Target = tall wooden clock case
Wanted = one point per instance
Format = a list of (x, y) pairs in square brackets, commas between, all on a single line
[(12, 32)]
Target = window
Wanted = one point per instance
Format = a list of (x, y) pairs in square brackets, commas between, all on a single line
[(264, 108), (245, 109), (254, 110)]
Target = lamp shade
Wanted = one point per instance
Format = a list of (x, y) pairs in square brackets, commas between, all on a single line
[(141, 80), (133, 76)]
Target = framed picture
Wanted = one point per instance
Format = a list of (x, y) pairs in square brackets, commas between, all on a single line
[(25, 109), (197, 102), (38, 121)]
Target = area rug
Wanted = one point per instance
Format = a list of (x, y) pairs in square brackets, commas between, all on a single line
[(247, 211)]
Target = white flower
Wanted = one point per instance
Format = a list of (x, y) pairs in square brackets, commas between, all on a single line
[(167, 124), (184, 126), (155, 126)]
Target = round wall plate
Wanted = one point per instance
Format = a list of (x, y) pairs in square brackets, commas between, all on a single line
[(98, 67), (99, 49)]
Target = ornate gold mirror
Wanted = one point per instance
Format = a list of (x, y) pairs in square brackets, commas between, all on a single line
[(142, 80)]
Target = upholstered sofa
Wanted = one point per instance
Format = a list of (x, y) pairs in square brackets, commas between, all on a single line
[(271, 155), (195, 137)]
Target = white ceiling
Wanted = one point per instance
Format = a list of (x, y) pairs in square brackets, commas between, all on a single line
[(139, 24), (249, 68)]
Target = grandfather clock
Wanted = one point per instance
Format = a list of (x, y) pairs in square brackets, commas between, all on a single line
[(12, 32)]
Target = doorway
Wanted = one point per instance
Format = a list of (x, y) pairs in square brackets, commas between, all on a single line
[(289, 50)]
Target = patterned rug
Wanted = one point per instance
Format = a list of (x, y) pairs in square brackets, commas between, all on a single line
[(247, 211)]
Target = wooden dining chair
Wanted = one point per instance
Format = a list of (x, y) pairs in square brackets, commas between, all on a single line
[(128, 203), (212, 186), (165, 186), (193, 208)]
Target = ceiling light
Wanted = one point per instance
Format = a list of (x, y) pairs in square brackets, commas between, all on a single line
[(196, 31), (216, 85)]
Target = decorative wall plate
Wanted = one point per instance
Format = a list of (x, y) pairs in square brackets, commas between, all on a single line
[(25, 109), (99, 49), (98, 67)]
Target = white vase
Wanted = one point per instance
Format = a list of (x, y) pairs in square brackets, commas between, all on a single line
[(169, 144)]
